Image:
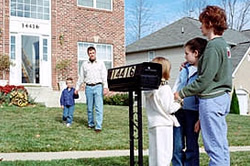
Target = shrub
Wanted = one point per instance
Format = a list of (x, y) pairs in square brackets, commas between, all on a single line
[(5, 63), (234, 108), (117, 99), (16, 95)]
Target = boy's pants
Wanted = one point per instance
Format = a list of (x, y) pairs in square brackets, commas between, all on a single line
[(186, 138), (213, 113), (68, 112), (160, 145)]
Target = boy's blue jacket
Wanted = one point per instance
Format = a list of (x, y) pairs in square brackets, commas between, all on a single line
[(67, 97)]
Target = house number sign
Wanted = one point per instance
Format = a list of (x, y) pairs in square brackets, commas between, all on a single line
[(30, 26)]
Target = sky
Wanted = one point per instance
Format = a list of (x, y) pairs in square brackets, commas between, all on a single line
[(164, 12)]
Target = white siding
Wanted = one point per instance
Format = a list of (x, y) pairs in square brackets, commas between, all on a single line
[(174, 55)]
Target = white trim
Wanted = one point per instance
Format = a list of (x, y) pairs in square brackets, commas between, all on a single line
[(241, 61)]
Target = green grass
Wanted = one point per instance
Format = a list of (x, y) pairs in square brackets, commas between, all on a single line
[(39, 129), (35, 129), (237, 159)]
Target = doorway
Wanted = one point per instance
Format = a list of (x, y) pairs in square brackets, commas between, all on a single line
[(30, 65)]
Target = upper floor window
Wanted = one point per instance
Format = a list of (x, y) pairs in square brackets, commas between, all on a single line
[(37, 9), (99, 4)]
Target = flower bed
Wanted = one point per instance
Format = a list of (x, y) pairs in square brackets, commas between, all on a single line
[(16, 95)]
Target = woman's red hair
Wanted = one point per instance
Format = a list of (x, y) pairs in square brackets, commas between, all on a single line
[(214, 17)]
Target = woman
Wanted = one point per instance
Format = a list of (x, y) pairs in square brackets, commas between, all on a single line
[(213, 84)]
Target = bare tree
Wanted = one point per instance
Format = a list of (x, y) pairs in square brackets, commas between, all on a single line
[(230, 7), (243, 17), (238, 11), (193, 8), (138, 23)]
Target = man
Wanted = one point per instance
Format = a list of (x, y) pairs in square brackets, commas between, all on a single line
[(213, 85), (94, 74)]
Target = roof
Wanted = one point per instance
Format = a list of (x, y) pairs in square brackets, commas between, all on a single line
[(246, 32), (177, 34), (238, 53)]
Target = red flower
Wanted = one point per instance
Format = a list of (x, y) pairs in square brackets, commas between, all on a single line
[(8, 88)]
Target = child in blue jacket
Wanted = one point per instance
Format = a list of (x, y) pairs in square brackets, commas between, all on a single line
[(186, 148), (67, 102)]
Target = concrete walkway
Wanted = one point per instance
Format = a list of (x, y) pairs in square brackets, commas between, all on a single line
[(85, 154)]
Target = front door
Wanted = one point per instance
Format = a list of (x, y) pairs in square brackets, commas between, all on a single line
[(30, 63), (31, 56)]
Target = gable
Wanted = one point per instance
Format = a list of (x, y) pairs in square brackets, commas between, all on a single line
[(238, 52)]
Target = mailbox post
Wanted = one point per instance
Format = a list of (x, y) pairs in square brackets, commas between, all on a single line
[(134, 79), (135, 124)]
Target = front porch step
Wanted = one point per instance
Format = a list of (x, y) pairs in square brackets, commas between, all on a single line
[(49, 97)]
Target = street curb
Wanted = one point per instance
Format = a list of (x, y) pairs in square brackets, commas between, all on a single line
[(86, 154)]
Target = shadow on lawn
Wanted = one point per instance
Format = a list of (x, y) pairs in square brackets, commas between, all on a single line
[(79, 120)]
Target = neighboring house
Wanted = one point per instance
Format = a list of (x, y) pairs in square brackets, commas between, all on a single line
[(241, 73), (169, 42), (38, 34)]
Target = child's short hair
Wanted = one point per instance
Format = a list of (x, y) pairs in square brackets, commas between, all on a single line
[(166, 66), (214, 17), (198, 44), (69, 79)]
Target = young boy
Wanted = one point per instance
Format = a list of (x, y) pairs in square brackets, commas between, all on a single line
[(67, 102)]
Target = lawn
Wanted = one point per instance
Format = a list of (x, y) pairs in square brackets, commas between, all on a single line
[(34, 129), (37, 128)]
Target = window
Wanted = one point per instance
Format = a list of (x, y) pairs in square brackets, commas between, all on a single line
[(13, 47), (104, 52), (37, 9), (45, 49), (151, 55), (99, 4)]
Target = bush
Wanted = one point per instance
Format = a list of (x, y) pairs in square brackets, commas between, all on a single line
[(5, 64), (117, 99), (234, 108), (16, 95)]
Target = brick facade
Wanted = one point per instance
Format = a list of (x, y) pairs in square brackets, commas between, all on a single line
[(80, 24), (76, 24), (4, 29)]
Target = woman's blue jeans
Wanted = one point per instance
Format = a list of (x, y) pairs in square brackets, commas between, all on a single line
[(94, 99), (213, 113)]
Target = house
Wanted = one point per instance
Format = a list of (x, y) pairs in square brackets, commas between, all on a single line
[(39, 34), (241, 72), (169, 42)]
